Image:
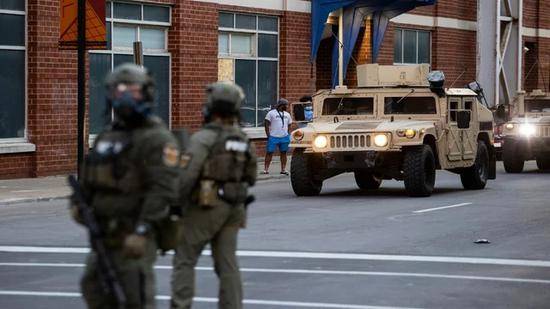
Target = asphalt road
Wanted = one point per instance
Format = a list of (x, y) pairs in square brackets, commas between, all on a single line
[(344, 249)]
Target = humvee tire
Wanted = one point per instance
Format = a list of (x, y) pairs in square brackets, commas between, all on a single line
[(512, 158), (419, 171), (543, 163), (475, 177), (301, 176), (367, 181)]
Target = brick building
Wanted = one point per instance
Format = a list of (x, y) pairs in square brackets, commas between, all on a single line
[(262, 45)]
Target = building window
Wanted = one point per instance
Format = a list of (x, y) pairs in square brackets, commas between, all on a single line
[(248, 54), (411, 47), (12, 70), (127, 23)]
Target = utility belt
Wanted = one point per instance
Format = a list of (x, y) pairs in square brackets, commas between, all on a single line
[(115, 230), (213, 193)]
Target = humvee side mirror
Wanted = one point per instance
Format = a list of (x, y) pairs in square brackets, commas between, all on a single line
[(298, 112), (463, 119)]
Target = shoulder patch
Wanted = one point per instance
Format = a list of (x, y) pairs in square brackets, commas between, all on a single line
[(170, 155), (235, 145), (184, 160)]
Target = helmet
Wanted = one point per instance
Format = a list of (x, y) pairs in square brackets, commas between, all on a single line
[(126, 104), (223, 98)]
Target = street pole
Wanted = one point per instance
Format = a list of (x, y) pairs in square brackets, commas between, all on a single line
[(341, 48), (81, 81)]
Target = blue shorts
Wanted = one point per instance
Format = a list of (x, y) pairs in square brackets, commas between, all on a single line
[(281, 142)]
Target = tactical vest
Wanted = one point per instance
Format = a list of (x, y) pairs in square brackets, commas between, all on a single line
[(109, 166), (224, 170), (112, 175)]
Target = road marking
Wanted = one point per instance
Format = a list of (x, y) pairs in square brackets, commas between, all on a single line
[(35, 249), (322, 256), (314, 272), (440, 208), (213, 300)]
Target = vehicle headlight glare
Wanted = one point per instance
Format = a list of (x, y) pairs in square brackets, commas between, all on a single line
[(410, 133), (510, 126), (527, 130), (381, 140), (320, 141)]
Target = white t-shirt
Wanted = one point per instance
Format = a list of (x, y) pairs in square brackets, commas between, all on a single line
[(277, 127)]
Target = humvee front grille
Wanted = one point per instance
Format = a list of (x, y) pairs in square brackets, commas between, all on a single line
[(349, 141)]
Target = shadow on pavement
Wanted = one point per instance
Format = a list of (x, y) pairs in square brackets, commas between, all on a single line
[(390, 192)]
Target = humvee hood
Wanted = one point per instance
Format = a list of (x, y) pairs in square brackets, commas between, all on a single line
[(533, 119), (369, 126)]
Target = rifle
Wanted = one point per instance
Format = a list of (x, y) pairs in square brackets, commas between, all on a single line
[(109, 279)]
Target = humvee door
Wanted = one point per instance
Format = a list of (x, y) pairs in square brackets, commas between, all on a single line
[(461, 141)]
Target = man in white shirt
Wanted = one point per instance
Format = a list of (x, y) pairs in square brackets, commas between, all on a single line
[(277, 124)]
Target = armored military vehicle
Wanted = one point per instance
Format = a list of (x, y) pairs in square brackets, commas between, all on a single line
[(396, 124), (527, 135)]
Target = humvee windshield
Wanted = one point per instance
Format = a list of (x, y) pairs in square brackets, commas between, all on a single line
[(348, 106), (537, 106), (409, 105)]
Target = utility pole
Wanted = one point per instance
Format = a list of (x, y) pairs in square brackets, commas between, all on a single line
[(81, 80), (341, 48)]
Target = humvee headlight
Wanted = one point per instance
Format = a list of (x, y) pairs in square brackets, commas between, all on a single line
[(527, 130), (410, 133), (298, 135), (510, 126), (320, 141), (381, 140)]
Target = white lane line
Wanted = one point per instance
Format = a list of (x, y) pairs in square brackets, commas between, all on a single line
[(440, 208), (36, 249), (323, 256), (214, 300), (314, 272)]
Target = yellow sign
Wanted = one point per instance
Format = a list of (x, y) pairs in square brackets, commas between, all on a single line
[(96, 32)]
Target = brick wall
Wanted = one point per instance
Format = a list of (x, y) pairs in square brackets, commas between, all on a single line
[(296, 70), (536, 68), (193, 42), (17, 166), (51, 93)]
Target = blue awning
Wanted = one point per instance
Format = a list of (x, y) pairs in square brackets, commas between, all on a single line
[(354, 13)]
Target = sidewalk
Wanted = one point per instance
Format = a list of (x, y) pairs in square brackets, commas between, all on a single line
[(27, 190)]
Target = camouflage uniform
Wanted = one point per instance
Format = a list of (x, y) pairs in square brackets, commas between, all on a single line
[(217, 169), (130, 179)]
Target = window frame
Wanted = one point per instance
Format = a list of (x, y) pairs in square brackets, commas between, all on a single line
[(24, 139), (256, 131), (146, 52), (417, 31)]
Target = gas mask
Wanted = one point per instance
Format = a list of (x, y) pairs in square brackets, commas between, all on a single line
[(130, 110)]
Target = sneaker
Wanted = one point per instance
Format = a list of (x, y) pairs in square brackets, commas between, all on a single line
[(284, 173), (265, 172)]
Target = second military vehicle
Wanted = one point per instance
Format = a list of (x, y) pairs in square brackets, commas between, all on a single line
[(527, 136), (396, 125)]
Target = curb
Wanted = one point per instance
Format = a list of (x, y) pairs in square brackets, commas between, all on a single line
[(12, 201), (31, 200)]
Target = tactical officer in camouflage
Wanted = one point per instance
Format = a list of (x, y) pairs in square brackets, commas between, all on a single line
[(129, 179), (216, 171)]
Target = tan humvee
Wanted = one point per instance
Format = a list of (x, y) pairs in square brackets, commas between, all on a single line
[(527, 136), (395, 125)]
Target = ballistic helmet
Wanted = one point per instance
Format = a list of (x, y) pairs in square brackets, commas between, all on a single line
[(129, 73), (126, 104), (223, 98)]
